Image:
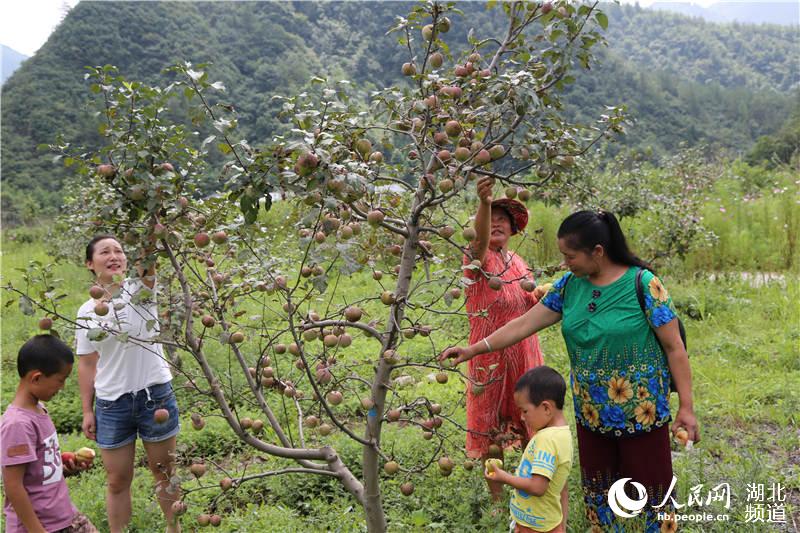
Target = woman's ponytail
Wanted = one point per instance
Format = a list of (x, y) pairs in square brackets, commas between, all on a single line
[(583, 230)]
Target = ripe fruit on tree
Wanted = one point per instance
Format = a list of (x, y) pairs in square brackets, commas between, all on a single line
[(208, 321), (101, 309), (197, 422), (446, 232), (226, 483), (442, 377), (387, 298), (436, 59), (237, 337), (161, 416), (461, 153), (511, 192), (482, 157), (446, 185), (375, 217), (524, 195), (391, 467), (325, 429), (203, 519), (469, 234), (527, 285), (246, 422), (334, 397), (201, 240), (364, 147), (97, 292), (198, 470), (497, 151), (495, 283), (452, 128), (45, 323), (106, 171), (216, 520), (219, 237), (178, 507), (427, 32), (407, 488), (409, 69)]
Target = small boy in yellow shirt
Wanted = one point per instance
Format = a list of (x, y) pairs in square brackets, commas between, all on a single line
[(539, 501)]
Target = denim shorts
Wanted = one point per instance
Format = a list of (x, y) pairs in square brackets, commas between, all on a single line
[(118, 422)]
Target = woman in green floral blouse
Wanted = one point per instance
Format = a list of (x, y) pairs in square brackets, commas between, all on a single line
[(622, 360)]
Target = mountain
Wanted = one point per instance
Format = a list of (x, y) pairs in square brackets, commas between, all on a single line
[(684, 80), (11, 60), (782, 13)]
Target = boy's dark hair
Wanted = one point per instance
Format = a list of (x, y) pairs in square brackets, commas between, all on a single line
[(46, 353), (543, 383)]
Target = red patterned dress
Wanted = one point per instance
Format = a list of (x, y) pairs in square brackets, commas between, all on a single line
[(492, 415)]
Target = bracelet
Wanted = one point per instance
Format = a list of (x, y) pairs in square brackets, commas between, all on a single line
[(488, 346)]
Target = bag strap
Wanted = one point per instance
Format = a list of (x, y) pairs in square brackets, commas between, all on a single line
[(640, 290)]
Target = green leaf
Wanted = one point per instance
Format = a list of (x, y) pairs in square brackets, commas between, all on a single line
[(602, 20)]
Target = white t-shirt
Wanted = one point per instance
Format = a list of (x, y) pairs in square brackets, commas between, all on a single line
[(127, 362)]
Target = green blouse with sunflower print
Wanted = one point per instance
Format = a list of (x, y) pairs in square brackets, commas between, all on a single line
[(620, 376)]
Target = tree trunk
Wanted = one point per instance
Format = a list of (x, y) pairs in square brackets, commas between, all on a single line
[(373, 506)]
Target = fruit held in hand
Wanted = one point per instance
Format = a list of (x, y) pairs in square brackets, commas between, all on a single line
[(66, 457), (682, 436), (85, 455), (491, 465), (161, 416)]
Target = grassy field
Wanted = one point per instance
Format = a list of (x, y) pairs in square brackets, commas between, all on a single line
[(745, 359)]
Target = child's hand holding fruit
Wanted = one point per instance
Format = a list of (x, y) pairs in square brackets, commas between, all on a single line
[(493, 469), (76, 462)]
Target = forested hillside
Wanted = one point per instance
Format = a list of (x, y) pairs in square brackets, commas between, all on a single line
[(683, 80)]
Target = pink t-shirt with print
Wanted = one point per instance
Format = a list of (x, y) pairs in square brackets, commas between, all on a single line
[(30, 438)]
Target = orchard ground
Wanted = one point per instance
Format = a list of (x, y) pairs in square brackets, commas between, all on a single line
[(743, 339)]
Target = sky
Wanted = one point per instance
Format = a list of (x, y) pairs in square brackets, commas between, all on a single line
[(25, 25)]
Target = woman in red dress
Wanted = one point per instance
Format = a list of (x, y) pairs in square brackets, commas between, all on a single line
[(492, 416)]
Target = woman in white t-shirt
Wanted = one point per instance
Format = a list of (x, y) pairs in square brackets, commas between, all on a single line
[(124, 379)]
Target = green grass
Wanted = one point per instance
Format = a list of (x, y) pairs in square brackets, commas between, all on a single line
[(745, 362)]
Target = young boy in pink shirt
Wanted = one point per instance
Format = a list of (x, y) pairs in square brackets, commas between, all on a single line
[(37, 498)]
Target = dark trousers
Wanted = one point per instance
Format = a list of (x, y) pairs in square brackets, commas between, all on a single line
[(644, 458)]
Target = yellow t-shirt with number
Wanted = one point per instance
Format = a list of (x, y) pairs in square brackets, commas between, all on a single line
[(548, 454)]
